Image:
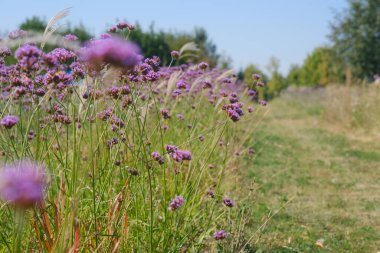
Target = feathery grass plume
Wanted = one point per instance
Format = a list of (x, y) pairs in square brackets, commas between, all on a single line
[(188, 47), (52, 25)]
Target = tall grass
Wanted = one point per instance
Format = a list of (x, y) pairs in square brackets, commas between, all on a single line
[(353, 107), (106, 191)]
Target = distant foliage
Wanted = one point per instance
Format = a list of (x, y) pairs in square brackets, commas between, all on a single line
[(38, 25), (321, 67), (356, 37)]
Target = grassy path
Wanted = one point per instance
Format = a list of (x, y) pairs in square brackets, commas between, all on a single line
[(333, 175)]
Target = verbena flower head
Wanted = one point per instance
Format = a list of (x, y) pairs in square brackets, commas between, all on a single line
[(228, 202), (113, 50), (174, 54), (9, 121), (5, 51), (176, 203), (62, 54), (70, 37), (256, 77), (220, 235), (180, 155), (17, 34), (28, 56), (203, 65), (22, 184)]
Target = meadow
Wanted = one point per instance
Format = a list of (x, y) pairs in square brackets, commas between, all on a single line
[(316, 168), (104, 150)]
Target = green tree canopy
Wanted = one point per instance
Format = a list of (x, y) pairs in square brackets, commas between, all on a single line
[(356, 37)]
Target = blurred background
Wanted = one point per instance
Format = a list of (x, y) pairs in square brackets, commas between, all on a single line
[(291, 42)]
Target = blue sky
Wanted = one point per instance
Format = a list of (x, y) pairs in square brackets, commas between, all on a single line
[(248, 31)]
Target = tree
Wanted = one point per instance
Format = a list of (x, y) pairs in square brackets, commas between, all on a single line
[(356, 37), (277, 82)]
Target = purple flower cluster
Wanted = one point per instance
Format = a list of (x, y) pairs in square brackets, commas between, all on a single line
[(178, 155), (113, 50), (9, 121), (176, 203), (70, 37), (220, 235), (28, 56), (22, 184), (234, 111), (228, 202), (157, 157)]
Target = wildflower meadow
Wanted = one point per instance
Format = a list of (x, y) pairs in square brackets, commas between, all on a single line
[(104, 150)]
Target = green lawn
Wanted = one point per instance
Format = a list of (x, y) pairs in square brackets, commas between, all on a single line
[(326, 178)]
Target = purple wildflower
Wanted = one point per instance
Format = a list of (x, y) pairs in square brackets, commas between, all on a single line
[(165, 113), (228, 202), (28, 56), (260, 84), (203, 65), (22, 183), (62, 54), (256, 77), (220, 235), (181, 84), (263, 102), (4, 51), (113, 50), (176, 203), (70, 37), (174, 54), (157, 157), (17, 34), (180, 155), (9, 121)]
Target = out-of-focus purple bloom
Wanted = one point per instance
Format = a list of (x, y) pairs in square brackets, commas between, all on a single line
[(70, 37), (263, 102), (250, 109), (157, 157), (252, 93), (122, 25), (203, 65), (165, 113), (165, 127), (256, 77), (22, 183), (211, 193), (112, 29), (181, 155), (228, 202), (181, 84), (220, 235), (28, 56), (260, 84), (113, 50), (176, 203), (201, 137), (17, 34), (180, 116), (174, 54), (9, 121), (62, 54), (4, 51), (206, 85), (234, 111), (171, 148), (105, 36)]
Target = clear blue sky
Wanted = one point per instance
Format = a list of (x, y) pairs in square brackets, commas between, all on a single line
[(249, 31)]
